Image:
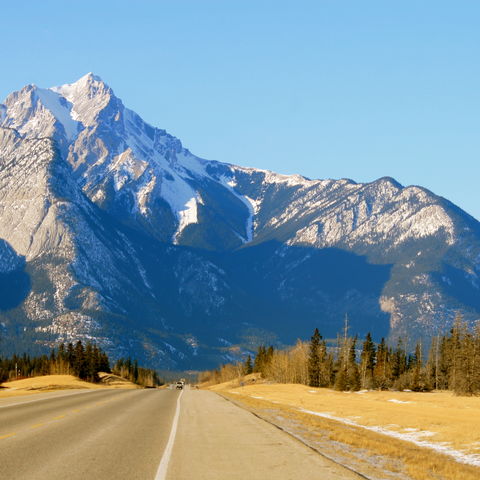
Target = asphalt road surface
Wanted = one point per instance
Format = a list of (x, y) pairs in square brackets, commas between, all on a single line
[(148, 435)]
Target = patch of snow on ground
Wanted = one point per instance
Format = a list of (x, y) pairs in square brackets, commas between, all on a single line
[(412, 435), (394, 400)]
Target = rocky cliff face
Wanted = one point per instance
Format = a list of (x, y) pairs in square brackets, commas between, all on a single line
[(111, 230)]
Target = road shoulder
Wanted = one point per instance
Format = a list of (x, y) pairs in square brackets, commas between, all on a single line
[(217, 440)]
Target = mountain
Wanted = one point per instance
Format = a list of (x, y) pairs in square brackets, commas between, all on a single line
[(111, 230)]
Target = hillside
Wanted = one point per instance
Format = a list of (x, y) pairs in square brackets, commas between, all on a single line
[(112, 231)]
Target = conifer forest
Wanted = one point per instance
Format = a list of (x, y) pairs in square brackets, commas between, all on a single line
[(450, 362), (83, 361)]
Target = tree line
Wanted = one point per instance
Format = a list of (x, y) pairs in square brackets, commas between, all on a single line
[(126, 368), (452, 363), (83, 361)]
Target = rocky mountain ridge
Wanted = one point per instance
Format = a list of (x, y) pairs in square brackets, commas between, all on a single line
[(114, 231)]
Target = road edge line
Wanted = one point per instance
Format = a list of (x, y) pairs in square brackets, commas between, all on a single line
[(167, 453)]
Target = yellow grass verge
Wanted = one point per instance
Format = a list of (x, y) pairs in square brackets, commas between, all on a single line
[(114, 381), (48, 383), (251, 379), (440, 419)]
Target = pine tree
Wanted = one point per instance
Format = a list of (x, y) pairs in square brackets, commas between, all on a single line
[(314, 359), (432, 367), (70, 354), (248, 366), (367, 362), (260, 359), (416, 369), (326, 365), (399, 362), (79, 365), (459, 352), (135, 371), (382, 367), (341, 380), (353, 378)]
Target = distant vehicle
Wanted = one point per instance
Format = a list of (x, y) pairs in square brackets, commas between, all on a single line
[(179, 385)]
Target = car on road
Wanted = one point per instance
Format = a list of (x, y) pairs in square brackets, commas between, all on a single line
[(179, 385)]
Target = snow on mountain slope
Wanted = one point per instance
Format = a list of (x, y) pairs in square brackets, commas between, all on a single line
[(123, 207), (76, 261), (123, 162), (88, 97)]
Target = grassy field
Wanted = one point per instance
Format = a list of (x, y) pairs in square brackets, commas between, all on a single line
[(47, 383), (415, 435)]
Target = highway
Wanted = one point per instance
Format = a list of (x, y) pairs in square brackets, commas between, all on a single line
[(148, 435)]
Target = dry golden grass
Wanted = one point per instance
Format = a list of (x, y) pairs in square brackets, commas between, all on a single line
[(252, 379), (47, 383), (455, 420), (114, 381)]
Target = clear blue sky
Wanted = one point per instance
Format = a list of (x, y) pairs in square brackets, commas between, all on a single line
[(326, 88)]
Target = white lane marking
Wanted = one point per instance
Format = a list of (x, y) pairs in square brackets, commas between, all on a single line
[(167, 453), (46, 398)]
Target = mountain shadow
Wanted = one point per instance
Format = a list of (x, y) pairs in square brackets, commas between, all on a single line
[(290, 290), (14, 280)]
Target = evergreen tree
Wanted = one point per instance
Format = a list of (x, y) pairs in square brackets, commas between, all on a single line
[(353, 379), (399, 363), (135, 371), (260, 359), (314, 359), (326, 365), (79, 365), (382, 369), (248, 366), (367, 362), (417, 383)]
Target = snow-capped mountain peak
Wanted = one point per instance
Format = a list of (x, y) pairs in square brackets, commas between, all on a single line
[(121, 218), (35, 112), (88, 96)]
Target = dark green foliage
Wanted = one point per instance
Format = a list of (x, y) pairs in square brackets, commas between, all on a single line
[(130, 370), (82, 361), (262, 359), (248, 366), (399, 365), (453, 363), (353, 378), (314, 361), (367, 362)]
